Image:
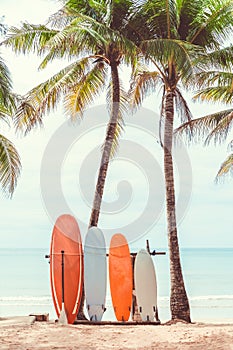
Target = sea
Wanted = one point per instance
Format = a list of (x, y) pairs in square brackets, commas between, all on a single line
[(208, 274)]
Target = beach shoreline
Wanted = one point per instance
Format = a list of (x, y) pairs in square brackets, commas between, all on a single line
[(26, 333)]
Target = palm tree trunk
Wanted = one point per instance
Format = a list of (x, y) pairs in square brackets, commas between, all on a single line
[(111, 130), (179, 304)]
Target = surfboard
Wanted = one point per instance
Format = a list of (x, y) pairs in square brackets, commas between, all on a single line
[(120, 277), (145, 285), (66, 238), (95, 273)]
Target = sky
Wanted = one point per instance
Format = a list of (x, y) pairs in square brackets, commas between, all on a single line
[(60, 162)]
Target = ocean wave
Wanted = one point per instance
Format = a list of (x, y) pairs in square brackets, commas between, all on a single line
[(203, 302), (212, 297), (163, 301), (25, 300), (202, 297)]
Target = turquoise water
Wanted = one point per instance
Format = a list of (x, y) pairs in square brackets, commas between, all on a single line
[(208, 274)]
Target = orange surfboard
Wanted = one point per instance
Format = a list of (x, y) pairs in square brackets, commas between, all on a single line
[(66, 282), (120, 277)]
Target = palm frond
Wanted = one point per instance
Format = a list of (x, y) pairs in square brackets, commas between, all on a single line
[(214, 85), (202, 127), (5, 82), (94, 9), (178, 52), (143, 84), (10, 166), (46, 96), (222, 129), (27, 117), (68, 44), (162, 17), (71, 41), (8, 99), (216, 94), (87, 33), (213, 78), (230, 146), (28, 38), (226, 169), (3, 27), (182, 107), (8, 108), (126, 47), (188, 11), (218, 59), (4, 113), (213, 24), (84, 91), (61, 18)]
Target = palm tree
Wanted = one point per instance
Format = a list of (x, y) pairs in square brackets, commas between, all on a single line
[(214, 85), (180, 33), (10, 165), (92, 35)]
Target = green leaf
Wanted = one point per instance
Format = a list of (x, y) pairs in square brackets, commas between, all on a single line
[(143, 84), (10, 166), (45, 97), (226, 169), (84, 91), (213, 24), (206, 127), (28, 38), (175, 52)]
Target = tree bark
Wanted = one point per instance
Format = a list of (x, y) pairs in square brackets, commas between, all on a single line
[(111, 130), (81, 315), (179, 304), (110, 134)]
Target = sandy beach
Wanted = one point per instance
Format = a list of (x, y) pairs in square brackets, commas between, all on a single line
[(23, 333)]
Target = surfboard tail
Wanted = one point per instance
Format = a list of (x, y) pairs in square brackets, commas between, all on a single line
[(63, 318)]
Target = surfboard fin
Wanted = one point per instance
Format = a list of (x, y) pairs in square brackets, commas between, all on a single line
[(63, 318), (93, 318), (157, 314)]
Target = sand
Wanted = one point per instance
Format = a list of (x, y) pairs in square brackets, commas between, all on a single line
[(25, 334)]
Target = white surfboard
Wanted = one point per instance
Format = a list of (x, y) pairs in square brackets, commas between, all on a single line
[(95, 273), (145, 285)]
